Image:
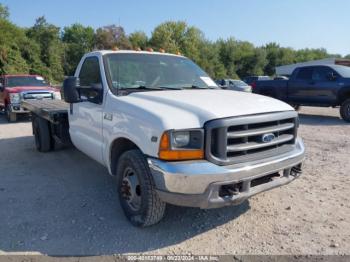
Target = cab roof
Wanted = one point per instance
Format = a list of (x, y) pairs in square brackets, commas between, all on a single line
[(105, 52)]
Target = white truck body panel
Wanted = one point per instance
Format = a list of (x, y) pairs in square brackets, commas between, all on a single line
[(221, 146), (140, 116)]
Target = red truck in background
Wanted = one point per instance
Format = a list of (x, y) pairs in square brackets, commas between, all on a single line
[(16, 88)]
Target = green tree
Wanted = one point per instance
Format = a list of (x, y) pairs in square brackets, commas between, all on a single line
[(11, 41), (4, 12), (138, 39), (308, 54), (78, 40), (241, 58), (209, 60), (43, 49), (277, 56), (226, 52), (109, 37), (177, 37), (51, 48)]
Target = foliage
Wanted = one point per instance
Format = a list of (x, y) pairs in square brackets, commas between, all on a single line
[(47, 50), (178, 37), (4, 12), (138, 39), (47, 36), (77, 40), (110, 37)]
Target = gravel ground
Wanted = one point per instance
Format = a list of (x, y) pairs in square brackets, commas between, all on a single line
[(62, 203)]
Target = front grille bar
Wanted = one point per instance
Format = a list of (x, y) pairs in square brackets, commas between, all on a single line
[(255, 145), (260, 131), (239, 139)]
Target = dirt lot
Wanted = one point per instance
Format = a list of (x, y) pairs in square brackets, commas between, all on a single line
[(64, 203)]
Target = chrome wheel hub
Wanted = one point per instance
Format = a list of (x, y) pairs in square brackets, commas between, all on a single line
[(131, 189)]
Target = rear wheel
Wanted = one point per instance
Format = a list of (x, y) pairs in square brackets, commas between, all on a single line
[(10, 116), (345, 110), (43, 140), (137, 194)]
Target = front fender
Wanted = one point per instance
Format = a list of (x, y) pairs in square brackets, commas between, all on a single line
[(141, 134), (343, 94)]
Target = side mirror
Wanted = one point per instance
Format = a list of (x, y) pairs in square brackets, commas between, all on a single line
[(70, 90), (331, 76)]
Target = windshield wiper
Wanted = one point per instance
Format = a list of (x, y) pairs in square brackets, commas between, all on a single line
[(170, 88), (140, 87), (197, 87), (151, 88)]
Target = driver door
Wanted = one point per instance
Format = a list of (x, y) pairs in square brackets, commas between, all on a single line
[(85, 120)]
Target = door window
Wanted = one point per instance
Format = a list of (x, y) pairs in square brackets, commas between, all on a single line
[(90, 78), (90, 72), (304, 74), (322, 73)]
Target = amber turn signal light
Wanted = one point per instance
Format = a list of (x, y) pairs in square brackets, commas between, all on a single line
[(166, 153)]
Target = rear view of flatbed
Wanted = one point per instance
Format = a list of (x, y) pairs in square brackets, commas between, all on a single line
[(49, 122)]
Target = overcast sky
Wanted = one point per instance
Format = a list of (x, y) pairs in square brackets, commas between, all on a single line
[(293, 23)]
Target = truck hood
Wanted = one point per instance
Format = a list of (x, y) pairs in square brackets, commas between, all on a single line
[(192, 108), (18, 89)]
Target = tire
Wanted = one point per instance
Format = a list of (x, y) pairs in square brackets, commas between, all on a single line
[(345, 110), (43, 141), (137, 195), (10, 116)]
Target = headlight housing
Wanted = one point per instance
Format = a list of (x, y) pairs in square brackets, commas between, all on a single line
[(57, 95), (182, 145), (15, 98)]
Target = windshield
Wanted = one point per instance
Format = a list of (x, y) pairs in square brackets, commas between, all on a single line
[(154, 71), (13, 81), (344, 71), (239, 83), (264, 78)]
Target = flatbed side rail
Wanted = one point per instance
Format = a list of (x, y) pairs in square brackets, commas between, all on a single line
[(51, 110)]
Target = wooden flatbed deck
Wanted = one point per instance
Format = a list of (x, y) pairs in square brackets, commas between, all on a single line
[(51, 110)]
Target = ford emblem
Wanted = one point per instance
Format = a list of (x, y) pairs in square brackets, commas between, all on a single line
[(266, 138)]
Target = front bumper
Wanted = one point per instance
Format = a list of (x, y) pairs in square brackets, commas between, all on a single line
[(200, 183)]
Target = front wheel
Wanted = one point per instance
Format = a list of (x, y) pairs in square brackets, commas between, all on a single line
[(137, 194), (345, 110)]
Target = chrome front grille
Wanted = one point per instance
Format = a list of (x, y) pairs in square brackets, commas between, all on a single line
[(248, 138), (37, 95)]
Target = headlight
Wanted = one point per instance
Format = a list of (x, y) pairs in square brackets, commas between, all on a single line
[(15, 98), (248, 89), (180, 139), (57, 95), (182, 145)]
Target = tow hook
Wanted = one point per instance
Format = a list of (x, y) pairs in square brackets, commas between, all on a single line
[(296, 170)]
